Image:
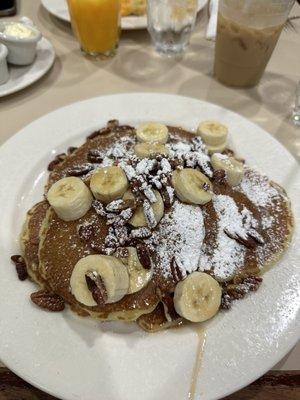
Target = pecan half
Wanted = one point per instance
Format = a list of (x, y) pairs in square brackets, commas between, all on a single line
[(71, 149), (97, 287), (176, 271), (113, 123), (169, 309), (144, 255), (20, 267), (80, 170), (57, 160), (238, 291), (95, 156), (247, 242), (48, 301)]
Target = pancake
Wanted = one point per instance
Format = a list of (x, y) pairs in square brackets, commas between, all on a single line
[(188, 238), (30, 238)]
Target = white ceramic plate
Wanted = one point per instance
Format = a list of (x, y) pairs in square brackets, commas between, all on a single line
[(21, 77), (59, 9), (75, 358)]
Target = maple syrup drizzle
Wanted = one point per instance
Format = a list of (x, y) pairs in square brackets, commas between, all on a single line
[(197, 364)]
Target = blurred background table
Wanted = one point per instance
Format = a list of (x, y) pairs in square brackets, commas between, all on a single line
[(137, 68)]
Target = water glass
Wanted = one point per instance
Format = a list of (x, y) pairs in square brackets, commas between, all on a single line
[(170, 24)]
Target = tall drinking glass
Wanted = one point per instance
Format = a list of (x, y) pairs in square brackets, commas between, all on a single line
[(247, 33), (170, 24), (96, 23)]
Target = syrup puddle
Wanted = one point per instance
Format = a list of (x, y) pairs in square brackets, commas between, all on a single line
[(197, 365)]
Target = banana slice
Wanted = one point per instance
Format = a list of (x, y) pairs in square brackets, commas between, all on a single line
[(152, 132), (213, 133), (145, 150), (109, 183), (138, 275), (156, 210), (112, 272), (191, 186), (233, 168), (198, 297), (70, 198), (216, 149)]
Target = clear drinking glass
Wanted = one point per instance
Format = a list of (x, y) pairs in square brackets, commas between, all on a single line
[(247, 33), (96, 24), (170, 24)]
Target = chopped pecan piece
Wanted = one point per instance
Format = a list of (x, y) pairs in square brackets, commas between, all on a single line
[(167, 194), (122, 252), (98, 248), (140, 233), (144, 255), (48, 301), (86, 232), (99, 208), (97, 287), (120, 205), (226, 301), (149, 214), (20, 267), (80, 170)]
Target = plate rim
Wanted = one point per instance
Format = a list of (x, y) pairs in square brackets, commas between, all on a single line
[(7, 144), (125, 25)]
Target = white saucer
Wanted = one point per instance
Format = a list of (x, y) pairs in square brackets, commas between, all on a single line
[(21, 77), (59, 9)]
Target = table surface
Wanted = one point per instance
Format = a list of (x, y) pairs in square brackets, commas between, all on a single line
[(137, 68)]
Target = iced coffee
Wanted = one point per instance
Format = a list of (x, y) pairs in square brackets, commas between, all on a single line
[(246, 36)]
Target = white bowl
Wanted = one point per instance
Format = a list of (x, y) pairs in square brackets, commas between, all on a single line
[(4, 75), (21, 51)]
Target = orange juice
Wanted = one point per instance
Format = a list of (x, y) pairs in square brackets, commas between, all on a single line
[(96, 25)]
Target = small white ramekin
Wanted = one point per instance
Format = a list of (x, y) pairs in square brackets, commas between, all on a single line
[(21, 51), (4, 75)]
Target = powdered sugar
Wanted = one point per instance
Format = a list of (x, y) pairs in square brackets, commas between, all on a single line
[(180, 234), (228, 255), (258, 189)]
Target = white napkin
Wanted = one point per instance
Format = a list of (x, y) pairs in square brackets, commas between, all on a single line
[(212, 23)]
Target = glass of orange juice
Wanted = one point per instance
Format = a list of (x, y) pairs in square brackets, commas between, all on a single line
[(96, 23)]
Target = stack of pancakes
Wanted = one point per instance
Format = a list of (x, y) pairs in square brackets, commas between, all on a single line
[(51, 247)]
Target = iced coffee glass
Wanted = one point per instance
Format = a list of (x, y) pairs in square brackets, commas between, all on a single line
[(247, 33)]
